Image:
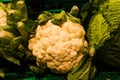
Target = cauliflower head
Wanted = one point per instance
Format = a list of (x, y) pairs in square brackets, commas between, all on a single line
[(3, 18), (58, 47)]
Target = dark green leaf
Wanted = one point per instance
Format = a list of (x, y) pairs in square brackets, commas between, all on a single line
[(83, 72), (44, 17), (30, 25), (59, 18), (98, 32), (2, 74), (36, 69), (73, 19), (14, 43), (74, 11)]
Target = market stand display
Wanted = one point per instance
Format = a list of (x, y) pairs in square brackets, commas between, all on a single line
[(93, 15)]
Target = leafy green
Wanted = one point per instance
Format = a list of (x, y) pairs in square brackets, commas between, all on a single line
[(59, 18), (14, 43), (109, 53), (73, 18), (6, 35), (98, 32), (30, 25), (112, 14), (2, 74), (44, 17), (105, 21), (84, 71), (36, 69), (23, 32), (2, 6), (74, 11), (10, 58), (100, 19)]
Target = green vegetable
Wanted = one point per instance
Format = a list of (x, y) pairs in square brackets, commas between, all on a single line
[(112, 14), (14, 43), (97, 33), (109, 53), (44, 17), (23, 32), (2, 74), (2, 6), (101, 19), (36, 69), (30, 25), (102, 23), (59, 18), (74, 11), (84, 71), (5, 35)]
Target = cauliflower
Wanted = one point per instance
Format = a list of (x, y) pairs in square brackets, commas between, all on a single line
[(58, 47), (3, 18)]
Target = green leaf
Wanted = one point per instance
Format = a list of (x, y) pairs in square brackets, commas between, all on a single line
[(30, 25), (7, 55), (23, 32), (2, 74), (22, 8), (2, 6), (83, 72), (98, 31), (112, 14), (11, 58), (5, 38), (14, 43), (74, 11), (44, 17), (6, 35), (59, 18), (73, 18), (105, 21), (36, 69), (83, 60)]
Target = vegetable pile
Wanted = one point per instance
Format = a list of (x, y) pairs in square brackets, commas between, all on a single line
[(61, 42)]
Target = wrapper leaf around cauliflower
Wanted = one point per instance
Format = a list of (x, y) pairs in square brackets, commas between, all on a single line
[(59, 47)]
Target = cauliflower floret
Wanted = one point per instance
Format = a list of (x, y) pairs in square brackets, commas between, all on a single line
[(48, 30), (3, 18), (60, 48), (77, 30)]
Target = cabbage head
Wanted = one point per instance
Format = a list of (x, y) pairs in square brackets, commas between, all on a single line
[(109, 53)]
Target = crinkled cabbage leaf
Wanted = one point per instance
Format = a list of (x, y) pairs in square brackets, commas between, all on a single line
[(105, 21)]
